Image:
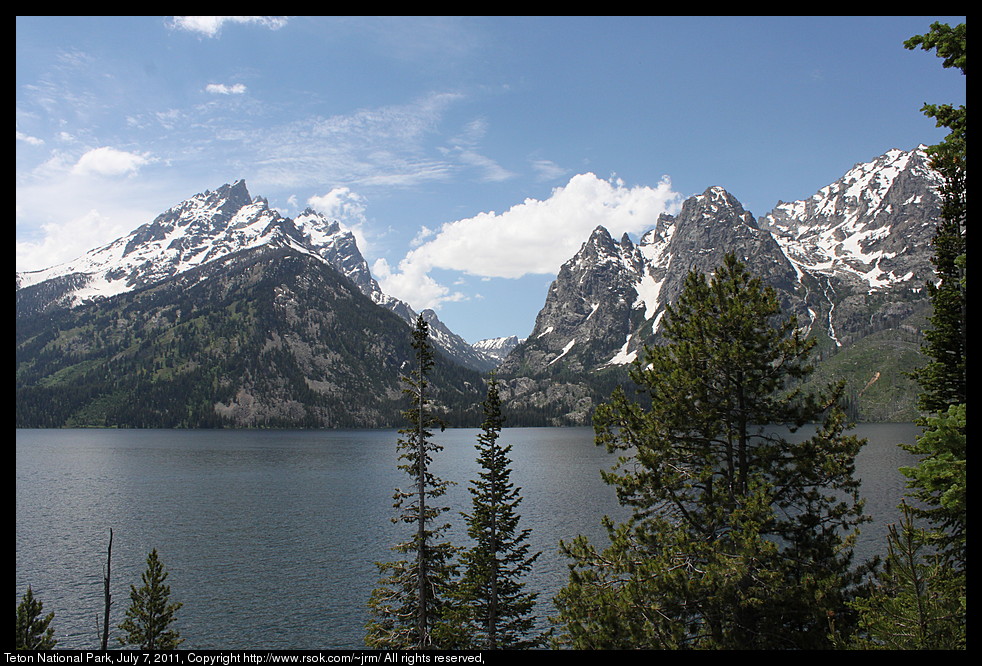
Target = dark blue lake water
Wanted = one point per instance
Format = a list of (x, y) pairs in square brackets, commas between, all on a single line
[(270, 537)]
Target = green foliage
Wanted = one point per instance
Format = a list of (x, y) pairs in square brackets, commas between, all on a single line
[(270, 340), (490, 605), (413, 598), (940, 482), (33, 631), (917, 601), (148, 619), (927, 591), (943, 379), (739, 538)]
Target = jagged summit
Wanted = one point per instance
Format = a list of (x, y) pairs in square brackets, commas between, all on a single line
[(498, 348)]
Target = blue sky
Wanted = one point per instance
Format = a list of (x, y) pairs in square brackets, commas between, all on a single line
[(471, 155)]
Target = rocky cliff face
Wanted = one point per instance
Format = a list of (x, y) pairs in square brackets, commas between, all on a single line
[(609, 299), (863, 243)]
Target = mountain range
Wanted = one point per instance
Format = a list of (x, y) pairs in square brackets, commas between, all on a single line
[(222, 312)]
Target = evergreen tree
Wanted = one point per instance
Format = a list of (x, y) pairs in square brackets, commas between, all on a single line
[(33, 632), (148, 619), (917, 601), (491, 604), (939, 479), (943, 379), (739, 537), (410, 605)]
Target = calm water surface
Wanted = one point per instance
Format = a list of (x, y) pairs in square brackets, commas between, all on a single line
[(270, 537)]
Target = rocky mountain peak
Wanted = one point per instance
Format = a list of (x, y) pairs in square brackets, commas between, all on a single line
[(870, 227), (718, 205), (205, 228), (498, 348), (847, 262)]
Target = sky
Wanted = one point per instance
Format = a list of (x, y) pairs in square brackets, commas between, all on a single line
[(471, 156)]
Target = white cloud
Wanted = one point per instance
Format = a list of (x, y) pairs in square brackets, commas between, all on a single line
[(222, 89), (464, 148), (106, 161), (61, 242), (348, 208), (32, 140), (340, 204), (380, 147), (211, 26), (67, 206), (547, 170), (412, 285), (536, 236)]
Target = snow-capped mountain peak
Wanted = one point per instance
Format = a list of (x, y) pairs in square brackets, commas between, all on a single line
[(207, 227), (498, 348), (203, 228), (860, 227)]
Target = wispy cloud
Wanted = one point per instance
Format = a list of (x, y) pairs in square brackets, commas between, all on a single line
[(211, 26), (465, 148), (546, 170), (222, 89), (387, 146), (30, 140)]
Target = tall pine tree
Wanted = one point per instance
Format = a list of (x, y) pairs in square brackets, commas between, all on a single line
[(410, 605), (919, 601), (939, 479), (739, 536), (491, 605), (149, 618)]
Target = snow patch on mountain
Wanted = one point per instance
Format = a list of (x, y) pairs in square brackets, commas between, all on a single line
[(648, 289), (623, 356), (569, 345), (498, 348)]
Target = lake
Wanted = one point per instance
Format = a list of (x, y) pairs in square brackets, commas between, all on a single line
[(270, 536)]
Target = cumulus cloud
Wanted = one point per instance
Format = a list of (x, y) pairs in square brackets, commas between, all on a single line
[(211, 26), (222, 89), (106, 161), (412, 284), (534, 237)]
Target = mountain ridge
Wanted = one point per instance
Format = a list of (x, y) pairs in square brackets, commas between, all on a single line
[(204, 228), (850, 262)]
